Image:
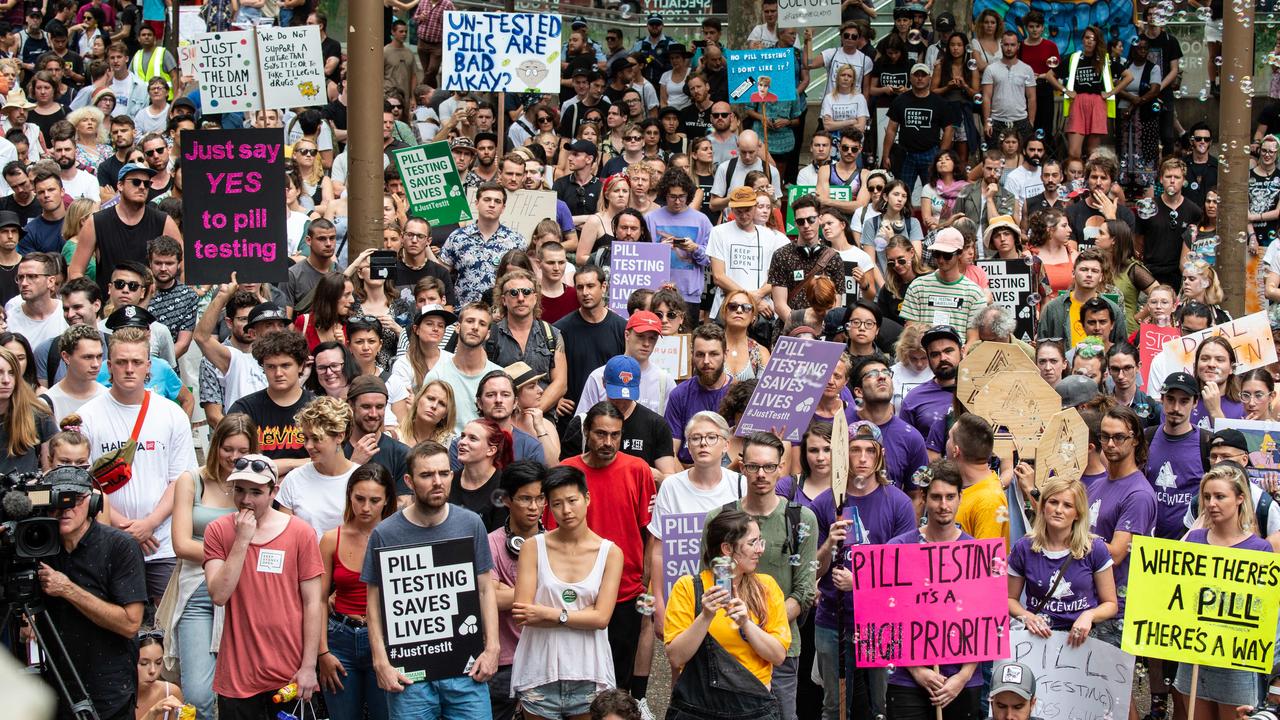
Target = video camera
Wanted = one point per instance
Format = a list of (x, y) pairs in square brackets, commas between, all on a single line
[(26, 532)]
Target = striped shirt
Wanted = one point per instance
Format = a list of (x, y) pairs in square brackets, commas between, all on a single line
[(933, 301)]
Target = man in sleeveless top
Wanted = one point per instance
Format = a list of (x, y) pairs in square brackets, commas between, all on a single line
[(121, 232)]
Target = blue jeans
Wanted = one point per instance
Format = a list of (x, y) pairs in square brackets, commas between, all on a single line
[(195, 629), (862, 687), (459, 698), (360, 686), (916, 166)]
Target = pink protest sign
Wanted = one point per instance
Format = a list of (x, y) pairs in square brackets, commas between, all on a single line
[(930, 603), (1151, 341)]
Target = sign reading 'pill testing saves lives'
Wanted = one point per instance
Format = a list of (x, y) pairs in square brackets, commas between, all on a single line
[(431, 183), (501, 52), (1202, 604)]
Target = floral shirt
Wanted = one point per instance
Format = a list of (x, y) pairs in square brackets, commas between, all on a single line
[(474, 258)]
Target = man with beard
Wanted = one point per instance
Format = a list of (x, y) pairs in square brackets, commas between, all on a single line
[(986, 199), (695, 118), (174, 302), (1178, 454), (1050, 197), (1095, 206), (485, 168), (704, 391), (928, 402), (1008, 92), (1024, 181), (156, 150), (464, 370), (724, 141), (655, 384), (592, 334), (622, 489), (432, 518), (872, 382), (496, 401), (23, 200), (112, 235), (417, 260), (367, 443), (520, 336), (62, 149), (794, 264), (122, 135), (38, 317), (44, 231), (716, 71)]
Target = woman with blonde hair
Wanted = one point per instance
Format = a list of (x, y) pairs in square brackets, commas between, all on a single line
[(912, 366), (744, 358), (431, 415), (641, 175), (1064, 571), (615, 195), (27, 422), (316, 490), (903, 264), (1200, 283), (315, 182), (91, 137), (77, 212)]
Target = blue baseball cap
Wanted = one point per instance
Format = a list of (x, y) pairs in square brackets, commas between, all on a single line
[(622, 378), (133, 167)]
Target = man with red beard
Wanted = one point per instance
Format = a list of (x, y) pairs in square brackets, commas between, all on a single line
[(704, 390)]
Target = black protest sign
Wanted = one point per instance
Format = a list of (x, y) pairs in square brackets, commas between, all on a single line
[(234, 214), (431, 609), (1012, 287)]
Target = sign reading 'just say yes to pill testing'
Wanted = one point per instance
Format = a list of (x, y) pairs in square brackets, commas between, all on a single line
[(501, 52)]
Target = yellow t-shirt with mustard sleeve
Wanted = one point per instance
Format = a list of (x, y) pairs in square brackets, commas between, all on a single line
[(681, 614), (984, 510)]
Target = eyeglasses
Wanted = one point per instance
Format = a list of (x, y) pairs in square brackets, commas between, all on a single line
[(258, 466), (518, 292), (32, 277), (530, 500), (860, 324), (633, 138), (885, 373), (671, 197), (414, 236), (136, 182), (330, 369), (668, 315), (1123, 370), (738, 307), (807, 220), (1108, 439), (133, 285), (1255, 396), (308, 152), (721, 115), (703, 440), (943, 256), (755, 468)]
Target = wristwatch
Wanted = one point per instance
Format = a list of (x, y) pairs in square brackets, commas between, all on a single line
[(564, 616)]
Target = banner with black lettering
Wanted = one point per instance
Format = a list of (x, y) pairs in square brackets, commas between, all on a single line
[(431, 609), (1012, 286)]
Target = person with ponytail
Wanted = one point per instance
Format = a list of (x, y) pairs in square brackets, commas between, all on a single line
[(484, 449)]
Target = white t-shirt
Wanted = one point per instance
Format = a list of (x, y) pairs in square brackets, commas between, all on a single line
[(746, 255), (721, 185), (656, 385), (905, 380), (315, 498), (83, 185), (36, 331), (244, 377), (851, 257), (844, 107), (834, 57), (675, 90), (1023, 183), (165, 451), (464, 388), (64, 404), (678, 496)]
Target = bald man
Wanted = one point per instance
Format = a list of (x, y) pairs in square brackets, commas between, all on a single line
[(733, 173)]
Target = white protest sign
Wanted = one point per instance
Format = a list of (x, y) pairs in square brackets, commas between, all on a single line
[(1250, 337), (501, 52), (226, 67), (671, 353), (1089, 682), (187, 59), (292, 66), (808, 13)]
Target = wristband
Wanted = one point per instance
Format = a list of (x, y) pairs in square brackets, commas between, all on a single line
[(326, 652)]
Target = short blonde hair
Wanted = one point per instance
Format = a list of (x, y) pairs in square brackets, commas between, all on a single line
[(90, 111), (77, 212), (329, 415)]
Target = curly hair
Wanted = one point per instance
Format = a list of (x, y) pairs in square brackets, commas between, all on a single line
[(678, 179), (329, 415), (289, 343)]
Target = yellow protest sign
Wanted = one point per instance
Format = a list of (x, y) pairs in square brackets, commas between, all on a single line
[(1202, 604)]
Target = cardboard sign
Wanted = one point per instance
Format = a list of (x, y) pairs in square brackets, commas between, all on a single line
[(673, 353), (431, 183), (226, 66), (930, 603), (292, 65), (501, 52), (1250, 336), (794, 192), (1202, 604), (1151, 341), (633, 266), (984, 362), (1263, 438), (431, 609), (1020, 401), (681, 546), (235, 215), (788, 391), (1107, 673), (761, 76), (523, 211), (1012, 287), (808, 13), (187, 53), (1064, 447)]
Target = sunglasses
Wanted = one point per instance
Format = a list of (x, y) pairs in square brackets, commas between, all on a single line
[(258, 466), (850, 36), (900, 261), (309, 152), (944, 256), (155, 151), (721, 115), (669, 315), (633, 138), (807, 220), (394, 106), (363, 322), (544, 118), (133, 285), (738, 307), (519, 292), (1200, 138), (849, 148), (136, 182)]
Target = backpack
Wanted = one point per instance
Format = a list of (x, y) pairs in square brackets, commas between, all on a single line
[(792, 544), (1206, 437)]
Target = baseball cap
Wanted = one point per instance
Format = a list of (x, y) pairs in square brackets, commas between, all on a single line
[(583, 146), (590, 73), (666, 110), (365, 384), (462, 142), (9, 218), (947, 240), (184, 101), (266, 312), (435, 311), (654, 19), (622, 378), (921, 68), (255, 468), (742, 196), (902, 11), (1182, 381), (1229, 437), (944, 21), (1076, 390), (69, 477), (940, 332), (1014, 677), (130, 316), (133, 167), (521, 374), (643, 321)]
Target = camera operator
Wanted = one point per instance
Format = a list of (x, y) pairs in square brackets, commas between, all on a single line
[(94, 588)]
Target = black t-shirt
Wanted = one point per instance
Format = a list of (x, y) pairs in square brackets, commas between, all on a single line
[(131, 16), (1078, 214), (279, 437), (695, 123), (1201, 178), (1088, 78), (72, 63), (108, 565), (117, 242), (1264, 195), (330, 48), (392, 455), (407, 278), (581, 199), (25, 212), (921, 121), (336, 113), (588, 346), (30, 461), (481, 500), (1165, 233), (108, 170), (576, 115), (645, 434), (1163, 49), (890, 75), (8, 282)]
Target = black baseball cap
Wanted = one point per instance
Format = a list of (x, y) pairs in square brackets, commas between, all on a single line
[(666, 110), (1184, 382), (266, 312), (940, 332), (1230, 437)]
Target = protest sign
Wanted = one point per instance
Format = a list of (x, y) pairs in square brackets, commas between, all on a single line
[(431, 609), (930, 603), (292, 66), (526, 208), (187, 59), (1091, 682), (788, 391), (673, 354), (234, 219), (226, 66), (1151, 341), (808, 13), (795, 192), (636, 265), (681, 546), (1020, 401), (1202, 604), (761, 76), (501, 52), (984, 362), (431, 183), (1012, 287), (1263, 438), (1250, 337), (1064, 447)]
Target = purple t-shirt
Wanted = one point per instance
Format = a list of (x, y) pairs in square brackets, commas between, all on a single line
[(686, 268), (1230, 409), (1174, 467), (927, 402), (785, 487), (902, 676), (936, 439), (1127, 504), (1074, 594), (1252, 542), (904, 451), (878, 516), (688, 399)]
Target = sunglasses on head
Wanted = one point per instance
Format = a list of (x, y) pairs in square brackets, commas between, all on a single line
[(518, 292), (258, 466), (133, 285), (363, 322)]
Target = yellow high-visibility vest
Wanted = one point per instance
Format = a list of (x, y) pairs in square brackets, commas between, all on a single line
[(1072, 63), (153, 68)]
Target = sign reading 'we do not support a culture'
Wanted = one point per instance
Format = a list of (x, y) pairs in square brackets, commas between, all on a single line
[(1202, 604), (501, 52)]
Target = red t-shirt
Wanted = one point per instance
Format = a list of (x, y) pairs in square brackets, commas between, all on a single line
[(1037, 56), (554, 308), (620, 496), (262, 634)]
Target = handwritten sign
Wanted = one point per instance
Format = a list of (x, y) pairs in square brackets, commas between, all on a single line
[(681, 546), (1151, 341), (1250, 336), (635, 265), (788, 391), (795, 192), (431, 609), (673, 353), (808, 13), (1012, 288), (1106, 672), (187, 59), (235, 214), (431, 183), (930, 603), (761, 76), (292, 66), (502, 52), (226, 66), (1263, 439), (1202, 604)]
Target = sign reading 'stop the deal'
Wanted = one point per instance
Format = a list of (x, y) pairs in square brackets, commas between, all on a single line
[(501, 52)]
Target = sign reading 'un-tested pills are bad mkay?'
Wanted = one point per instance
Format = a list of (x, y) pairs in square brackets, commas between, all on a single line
[(501, 52), (234, 219)]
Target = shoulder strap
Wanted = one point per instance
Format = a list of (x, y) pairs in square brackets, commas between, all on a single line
[(728, 173), (1264, 510), (793, 527), (550, 339), (1150, 433), (697, 589), (48, 401), (142, 415), (1206, 439), (52, 362)]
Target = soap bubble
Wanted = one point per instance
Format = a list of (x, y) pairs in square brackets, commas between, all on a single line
[(498, 498), (1146, 208), (794, 560), (1052, 61), (977, 98), (625, 11), (972, 64)]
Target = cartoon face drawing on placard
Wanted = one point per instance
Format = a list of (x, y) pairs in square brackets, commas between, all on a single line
[(532, 72), (308, 89)]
